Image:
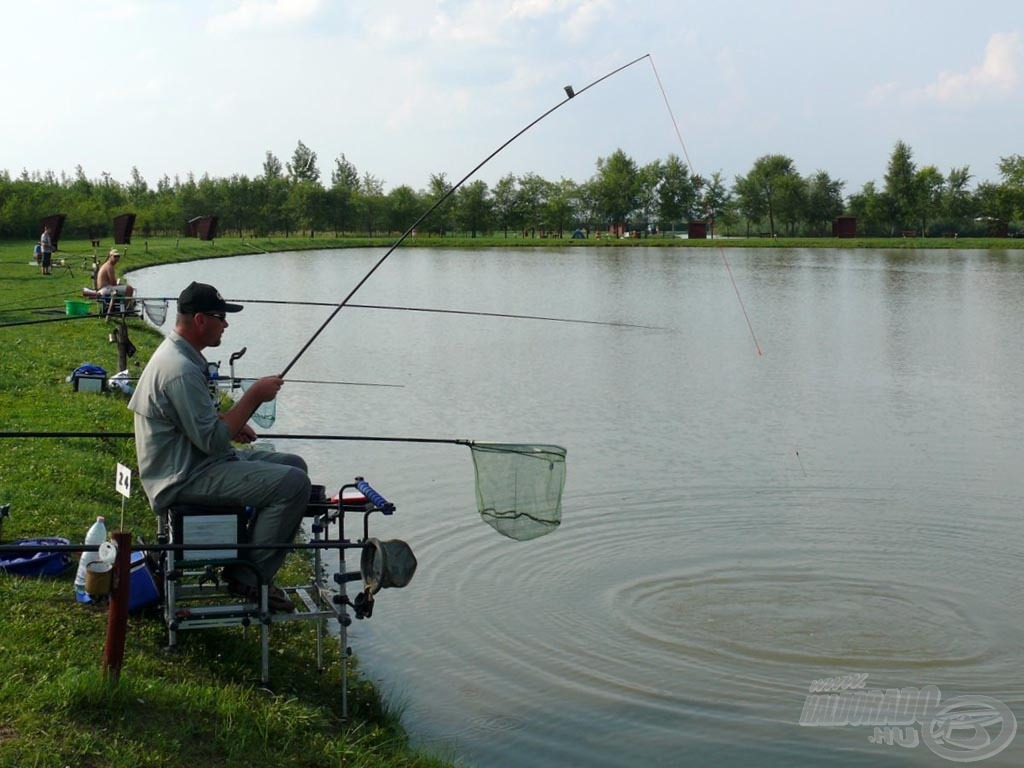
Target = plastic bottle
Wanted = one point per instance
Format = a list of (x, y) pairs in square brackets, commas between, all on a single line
[(95, 536)]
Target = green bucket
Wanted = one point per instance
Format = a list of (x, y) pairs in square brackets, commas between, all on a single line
[(76, 307)]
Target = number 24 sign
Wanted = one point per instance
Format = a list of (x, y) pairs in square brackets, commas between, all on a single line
[(123, 481)]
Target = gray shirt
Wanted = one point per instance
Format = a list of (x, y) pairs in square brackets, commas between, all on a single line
[(177, 430)]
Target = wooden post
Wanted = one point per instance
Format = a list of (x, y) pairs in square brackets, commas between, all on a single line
[(117, 617)]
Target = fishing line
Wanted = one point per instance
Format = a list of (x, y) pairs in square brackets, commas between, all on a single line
[(721, 250), (570, 95)]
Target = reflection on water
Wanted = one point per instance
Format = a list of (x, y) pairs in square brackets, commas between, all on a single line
[(734, 526)]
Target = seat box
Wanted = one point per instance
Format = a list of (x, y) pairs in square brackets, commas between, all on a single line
[(89, 383), (208, 526)]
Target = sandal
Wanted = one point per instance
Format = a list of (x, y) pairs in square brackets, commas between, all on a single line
[(277, 599)]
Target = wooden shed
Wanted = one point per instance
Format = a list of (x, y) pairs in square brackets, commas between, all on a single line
[(844, 226), (697, 230)]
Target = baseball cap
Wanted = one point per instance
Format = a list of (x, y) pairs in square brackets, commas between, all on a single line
[(200, 297)]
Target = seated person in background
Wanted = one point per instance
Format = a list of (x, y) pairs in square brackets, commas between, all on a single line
[(107, 283), (184, 446)]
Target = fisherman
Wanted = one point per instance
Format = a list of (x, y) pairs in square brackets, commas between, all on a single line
[(184, 447), (107, 284), (106, 277), (46, 251)]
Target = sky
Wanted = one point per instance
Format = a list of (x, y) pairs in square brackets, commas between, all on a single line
[(410, 88)]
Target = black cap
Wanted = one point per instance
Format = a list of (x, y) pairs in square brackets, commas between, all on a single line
[(200, 297)]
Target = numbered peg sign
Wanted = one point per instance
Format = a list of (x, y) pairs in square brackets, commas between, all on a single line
[(123, 481)]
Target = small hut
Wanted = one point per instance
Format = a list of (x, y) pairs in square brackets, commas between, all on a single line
[(844, 226)]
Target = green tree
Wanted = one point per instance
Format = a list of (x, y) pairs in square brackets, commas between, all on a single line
[(344, 188), (272, 191), (824, 201), (931, 186), (560, 206), (531, 199), (506, 203), (473, 208), (901, 186), (770, 179), (442, 218), (403, 208), (872, 209), (957, 202), (302, 167), (370, 202), (677, 194), (1012, 170), (617, 188), (715, 202)]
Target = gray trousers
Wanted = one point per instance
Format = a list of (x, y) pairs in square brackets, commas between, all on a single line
[(275, 485)]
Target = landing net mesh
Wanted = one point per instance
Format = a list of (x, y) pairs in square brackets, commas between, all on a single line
[(266, 414), (519, 487), (156, 310)]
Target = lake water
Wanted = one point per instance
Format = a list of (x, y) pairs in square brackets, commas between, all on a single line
[(735, 525)]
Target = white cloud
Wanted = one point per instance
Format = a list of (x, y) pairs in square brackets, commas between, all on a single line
[(489, 22), (997, 75), (584, 18), (263, 14)]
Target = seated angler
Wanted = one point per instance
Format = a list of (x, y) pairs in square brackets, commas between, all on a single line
[(184, 446), (107, 284)]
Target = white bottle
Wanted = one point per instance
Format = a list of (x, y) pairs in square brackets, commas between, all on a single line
[(96, 535)]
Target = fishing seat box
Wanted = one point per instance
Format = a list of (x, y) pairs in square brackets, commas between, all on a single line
[(208, 525), (90, 383)]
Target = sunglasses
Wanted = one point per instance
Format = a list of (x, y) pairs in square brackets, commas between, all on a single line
[(219, 315)]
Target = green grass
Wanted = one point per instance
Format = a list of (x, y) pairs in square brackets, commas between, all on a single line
[(202, 705)]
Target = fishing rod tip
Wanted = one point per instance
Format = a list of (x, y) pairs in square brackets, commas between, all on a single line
[(569, 91)]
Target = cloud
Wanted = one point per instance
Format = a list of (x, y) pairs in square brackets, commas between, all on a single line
[(263, 14), (485, 22), (996, 77)]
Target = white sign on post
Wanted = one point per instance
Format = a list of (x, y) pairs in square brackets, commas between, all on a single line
[(123, 482)]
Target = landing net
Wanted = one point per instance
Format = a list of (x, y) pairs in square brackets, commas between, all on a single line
[(266, 414), (519, 487), (156, 310)]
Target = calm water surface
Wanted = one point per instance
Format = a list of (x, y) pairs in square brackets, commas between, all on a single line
[(735, 525)]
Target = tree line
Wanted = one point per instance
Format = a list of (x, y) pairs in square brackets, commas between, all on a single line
[(772, 198)]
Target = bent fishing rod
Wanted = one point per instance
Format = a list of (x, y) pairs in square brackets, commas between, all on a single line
[(393, 308), (356, 438), (570, 94), (451, 312)]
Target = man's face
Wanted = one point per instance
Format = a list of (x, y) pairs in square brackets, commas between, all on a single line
[(213, 325)]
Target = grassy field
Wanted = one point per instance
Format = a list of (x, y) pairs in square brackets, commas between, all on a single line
[(203, 705)]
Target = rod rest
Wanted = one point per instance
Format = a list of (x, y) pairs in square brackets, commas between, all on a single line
[(378, 501)]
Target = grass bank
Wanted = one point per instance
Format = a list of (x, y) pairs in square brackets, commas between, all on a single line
[(201, 706)]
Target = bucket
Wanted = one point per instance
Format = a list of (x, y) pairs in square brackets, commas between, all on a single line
[(76, 307), (99, 577)]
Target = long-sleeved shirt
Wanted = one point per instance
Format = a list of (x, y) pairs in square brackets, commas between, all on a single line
[(178, 432)]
